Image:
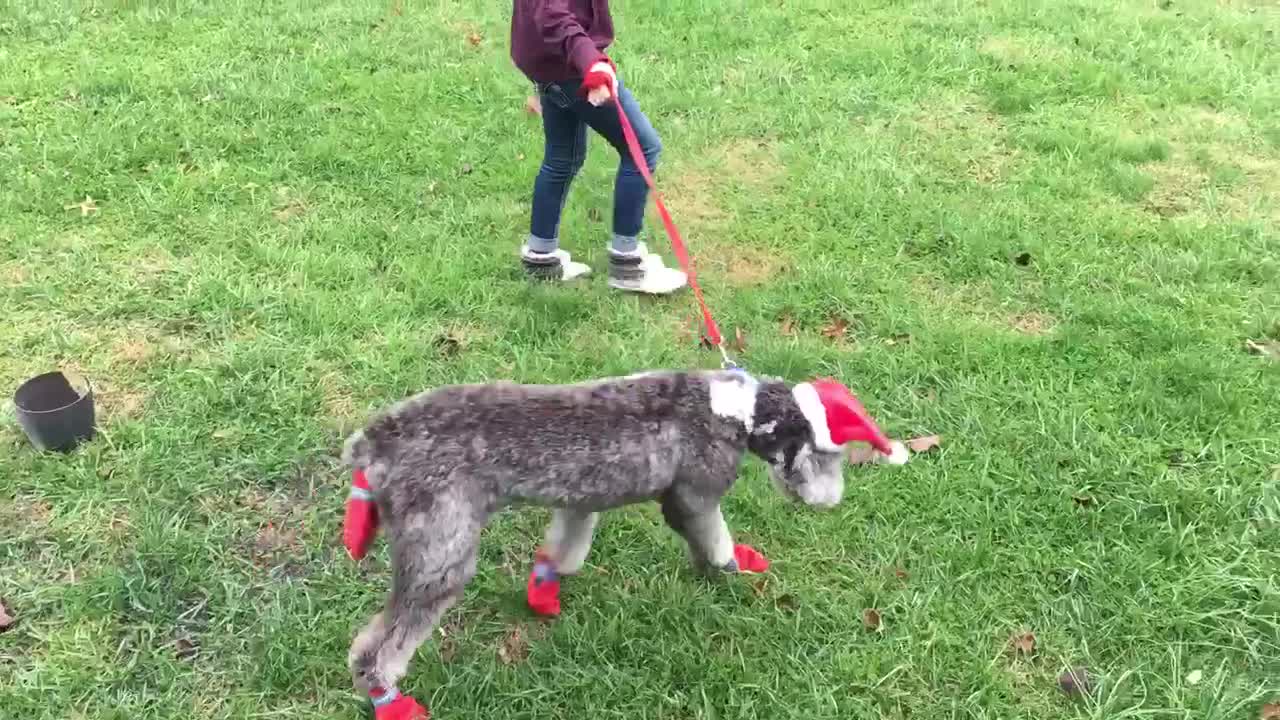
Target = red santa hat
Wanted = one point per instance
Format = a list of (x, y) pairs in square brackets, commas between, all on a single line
[(837, 418)]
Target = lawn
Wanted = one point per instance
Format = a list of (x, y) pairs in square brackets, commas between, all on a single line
[(1046, 231)]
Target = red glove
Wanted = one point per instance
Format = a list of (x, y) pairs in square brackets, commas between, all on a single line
[(601, 83)]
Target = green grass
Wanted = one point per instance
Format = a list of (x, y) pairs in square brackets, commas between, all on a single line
[(1049, 228)]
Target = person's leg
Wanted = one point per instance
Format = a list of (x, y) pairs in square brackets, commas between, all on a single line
[(631, 266), (630, 191), (564, 151)]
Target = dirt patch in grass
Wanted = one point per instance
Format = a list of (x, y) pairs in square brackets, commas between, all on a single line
[(971, 302), (691, 190), (1218, 164), (113, 399), (690, 195), (133, 345), (22, 512), (1017, 50), (457, 338), (1177, 190), (741, 265), (120, 403), (961, 135), (150, 264), (336, 400), (289, 205), (1033, 323), (132, 350), (749, 162), (14, 275), (977, 304), (513, 649)]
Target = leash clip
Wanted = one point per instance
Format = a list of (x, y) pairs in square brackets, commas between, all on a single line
[(726, 363)]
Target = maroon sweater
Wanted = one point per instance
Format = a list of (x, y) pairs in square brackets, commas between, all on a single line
[(555, 40)]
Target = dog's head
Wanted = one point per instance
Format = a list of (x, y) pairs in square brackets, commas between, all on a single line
[(801, 430)]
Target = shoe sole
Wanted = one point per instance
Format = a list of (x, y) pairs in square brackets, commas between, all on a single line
[(641, 291)]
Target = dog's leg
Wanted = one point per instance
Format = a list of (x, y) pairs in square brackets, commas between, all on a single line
[(569, 539), (710, 544), (568, 542), (433, 555)]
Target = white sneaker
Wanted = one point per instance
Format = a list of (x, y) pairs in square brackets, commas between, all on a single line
[(644, 272), (557, 265)]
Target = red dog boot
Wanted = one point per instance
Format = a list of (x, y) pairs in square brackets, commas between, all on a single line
[(543, 591), (360, 524), (749, 560), (391, 705)]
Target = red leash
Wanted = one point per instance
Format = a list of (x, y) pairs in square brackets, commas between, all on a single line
[(677, 242)]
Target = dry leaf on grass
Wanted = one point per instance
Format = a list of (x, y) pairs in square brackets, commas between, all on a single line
[(514, 647), (474, 39), (6, 620), (448, 650), (862, 454), (871, 620), (1083, 501), (836, 328), (739, 340), (450, 342), (1270, 711), (1023, 643), (87, 206), (924, 443), (272, 539), (293, 209), (1266, 348), (787, 325), (1076, 682), (186, 649)]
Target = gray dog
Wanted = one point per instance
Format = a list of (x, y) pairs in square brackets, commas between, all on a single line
[(434, 468)]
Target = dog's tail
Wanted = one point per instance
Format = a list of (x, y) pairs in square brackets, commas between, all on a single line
[(360, 523)]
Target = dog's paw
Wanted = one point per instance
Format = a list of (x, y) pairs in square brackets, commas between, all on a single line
[(394, 706), (543, 590)]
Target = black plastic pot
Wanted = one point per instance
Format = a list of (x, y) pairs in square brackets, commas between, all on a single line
[(53, 414)]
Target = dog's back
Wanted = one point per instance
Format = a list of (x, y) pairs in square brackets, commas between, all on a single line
[(614, 439)]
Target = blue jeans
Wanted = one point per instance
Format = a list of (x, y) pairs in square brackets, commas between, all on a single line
[(565, 119)]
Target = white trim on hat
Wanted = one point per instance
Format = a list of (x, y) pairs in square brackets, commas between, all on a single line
[(816, 413)]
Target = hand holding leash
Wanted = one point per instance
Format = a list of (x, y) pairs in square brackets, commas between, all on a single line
[(601, 83)]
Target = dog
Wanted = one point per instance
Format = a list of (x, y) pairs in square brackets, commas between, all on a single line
[(432, 469)]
